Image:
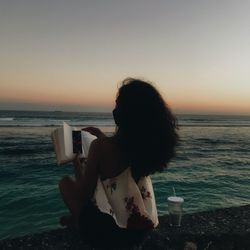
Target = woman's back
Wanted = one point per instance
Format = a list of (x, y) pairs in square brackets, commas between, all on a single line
[(130, 202), (121, 210), (111, 162)]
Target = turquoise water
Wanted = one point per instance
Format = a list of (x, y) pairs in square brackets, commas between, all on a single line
[(211, 169)]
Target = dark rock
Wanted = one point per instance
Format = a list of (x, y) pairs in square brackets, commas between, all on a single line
[(223, 229)]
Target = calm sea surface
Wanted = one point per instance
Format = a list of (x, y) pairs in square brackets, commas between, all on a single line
[(211, 170)]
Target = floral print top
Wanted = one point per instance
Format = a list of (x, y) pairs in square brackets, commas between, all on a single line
[(131, 204)]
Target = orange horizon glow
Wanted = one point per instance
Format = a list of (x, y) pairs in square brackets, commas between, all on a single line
[(85, 96), (107, 101), (101, 95)]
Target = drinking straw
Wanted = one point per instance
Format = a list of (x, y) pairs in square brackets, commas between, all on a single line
[(174, 191)]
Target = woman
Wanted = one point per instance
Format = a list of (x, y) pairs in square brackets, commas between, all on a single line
[(114, 198)]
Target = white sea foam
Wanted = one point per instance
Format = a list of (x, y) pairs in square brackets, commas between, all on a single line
[(7, 118)]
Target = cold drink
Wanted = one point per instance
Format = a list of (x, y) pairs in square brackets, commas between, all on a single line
[(175, 210)]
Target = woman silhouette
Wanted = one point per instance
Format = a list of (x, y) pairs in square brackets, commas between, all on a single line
[(113, 202)]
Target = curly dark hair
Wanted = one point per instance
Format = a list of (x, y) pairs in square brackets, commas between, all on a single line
[(146, 128)]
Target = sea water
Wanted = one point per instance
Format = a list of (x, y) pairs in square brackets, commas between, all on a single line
[(211, 169)]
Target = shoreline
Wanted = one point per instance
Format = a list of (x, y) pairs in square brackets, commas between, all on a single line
[(225, 228)]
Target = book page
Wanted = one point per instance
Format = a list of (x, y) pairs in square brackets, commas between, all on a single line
[(68, 145), (60, 136), (87, 138), (58, 142)]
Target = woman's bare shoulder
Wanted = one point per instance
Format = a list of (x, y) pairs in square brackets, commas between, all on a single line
[(106, 142), (105, 146), (111, 158)]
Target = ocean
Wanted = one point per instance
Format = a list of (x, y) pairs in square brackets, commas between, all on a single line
[(211, 169)]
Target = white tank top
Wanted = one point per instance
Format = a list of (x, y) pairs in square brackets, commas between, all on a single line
[(131, 204)]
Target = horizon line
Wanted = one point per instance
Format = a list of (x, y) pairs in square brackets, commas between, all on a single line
[(110, 112)]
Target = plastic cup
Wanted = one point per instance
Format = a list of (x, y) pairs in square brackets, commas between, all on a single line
[(175, 210)]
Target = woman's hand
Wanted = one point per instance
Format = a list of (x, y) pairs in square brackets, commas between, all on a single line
[(95, 131), (77, 162)]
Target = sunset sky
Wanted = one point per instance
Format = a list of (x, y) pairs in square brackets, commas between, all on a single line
[(72, 55)]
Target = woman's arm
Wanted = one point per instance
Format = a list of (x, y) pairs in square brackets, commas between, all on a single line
[(79, 167), (95, 131), (87, 180)]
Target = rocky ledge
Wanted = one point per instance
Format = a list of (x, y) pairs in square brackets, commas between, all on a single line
[(227, 228)]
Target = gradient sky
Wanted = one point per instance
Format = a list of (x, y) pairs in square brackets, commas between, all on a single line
[(71, 55)]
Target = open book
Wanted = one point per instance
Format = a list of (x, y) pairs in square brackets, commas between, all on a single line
[(69, 141)]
